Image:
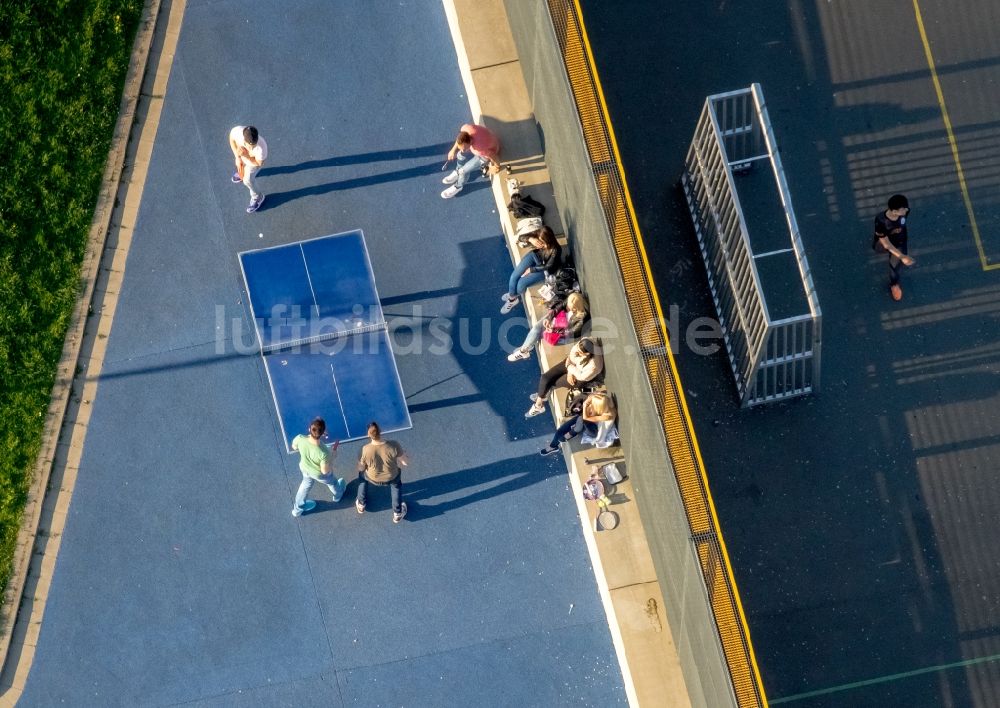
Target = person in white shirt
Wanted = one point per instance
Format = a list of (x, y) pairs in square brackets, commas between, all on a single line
[(250, 151)]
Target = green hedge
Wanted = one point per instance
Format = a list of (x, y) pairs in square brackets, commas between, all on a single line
[(62, 69)]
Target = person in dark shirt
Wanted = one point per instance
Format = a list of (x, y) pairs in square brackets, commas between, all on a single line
[(544, 258), (891, 238)]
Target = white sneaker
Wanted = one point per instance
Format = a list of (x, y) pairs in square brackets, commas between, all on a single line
[(535, 409), (517, 355), (450, 192), (450, 178), (509, 305), (512, 185), (396, 518)]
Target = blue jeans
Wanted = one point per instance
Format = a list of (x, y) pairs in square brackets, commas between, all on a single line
[(336, 488), (534, 334), (469, 167), (395, 487), (520, 279), (250, 180), (894, 264), (570, 429)]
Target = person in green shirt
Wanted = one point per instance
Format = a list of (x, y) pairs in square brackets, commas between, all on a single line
[(316, 463)]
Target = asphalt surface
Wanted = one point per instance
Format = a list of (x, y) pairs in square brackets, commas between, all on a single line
[(182, 576), (861, 521)]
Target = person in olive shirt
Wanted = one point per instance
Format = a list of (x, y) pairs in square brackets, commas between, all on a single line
[(380, 464), (316, 464), (891, 237)]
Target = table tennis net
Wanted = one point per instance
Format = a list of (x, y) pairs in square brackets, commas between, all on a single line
[(324, 336)]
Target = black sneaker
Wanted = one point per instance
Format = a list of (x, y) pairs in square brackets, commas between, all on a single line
[(546, 451)]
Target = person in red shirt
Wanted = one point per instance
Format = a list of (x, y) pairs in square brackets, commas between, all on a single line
[(475, 146)]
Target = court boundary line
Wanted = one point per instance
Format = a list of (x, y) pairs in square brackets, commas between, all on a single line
[(884, 679), (277, 406), (952, 141), (371, 276)]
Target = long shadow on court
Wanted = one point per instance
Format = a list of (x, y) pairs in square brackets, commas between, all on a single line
[(276, 199), (432, 496), (464, 356), (361, 158)]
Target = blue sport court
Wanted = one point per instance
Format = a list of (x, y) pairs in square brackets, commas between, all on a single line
[(323, 337)]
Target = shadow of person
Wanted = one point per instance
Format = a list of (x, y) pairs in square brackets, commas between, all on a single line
[(361, 158), (275, 199), (492, 480)]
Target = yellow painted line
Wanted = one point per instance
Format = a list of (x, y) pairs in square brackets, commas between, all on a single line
[(983, 260), (670, 356)]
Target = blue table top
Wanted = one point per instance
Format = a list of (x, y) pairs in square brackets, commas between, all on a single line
[(311, 289), (326, 350)]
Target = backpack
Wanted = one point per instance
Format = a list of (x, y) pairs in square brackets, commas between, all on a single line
[(559, 286), (522, 206)]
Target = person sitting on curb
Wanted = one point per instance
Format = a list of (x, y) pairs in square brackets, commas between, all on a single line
[(484, 147), (316, 462), (380, 463), (545, 257), (562, 323), (592, 414), (584, 363)]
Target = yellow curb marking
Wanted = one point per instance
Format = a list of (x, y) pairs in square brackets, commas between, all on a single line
[(696, 447), (983, 260)]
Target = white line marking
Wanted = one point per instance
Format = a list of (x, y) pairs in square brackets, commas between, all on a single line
[(336, 389), (773, 253), (305, 264), (277, 405)]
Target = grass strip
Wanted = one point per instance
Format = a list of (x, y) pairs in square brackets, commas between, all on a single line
[(62, 71)]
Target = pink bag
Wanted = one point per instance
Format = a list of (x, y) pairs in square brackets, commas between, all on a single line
[(559, 322)]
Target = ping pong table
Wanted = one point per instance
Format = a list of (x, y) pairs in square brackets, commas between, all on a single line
[(323, 337)]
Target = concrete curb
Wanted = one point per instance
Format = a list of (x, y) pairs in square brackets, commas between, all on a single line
[(623, 566)]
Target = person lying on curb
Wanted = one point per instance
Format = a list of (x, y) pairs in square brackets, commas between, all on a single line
[(544, 258), (584, 363), (592, 414), (562, 323)]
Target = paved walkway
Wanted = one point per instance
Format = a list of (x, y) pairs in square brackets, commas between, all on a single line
[(182, 577)]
